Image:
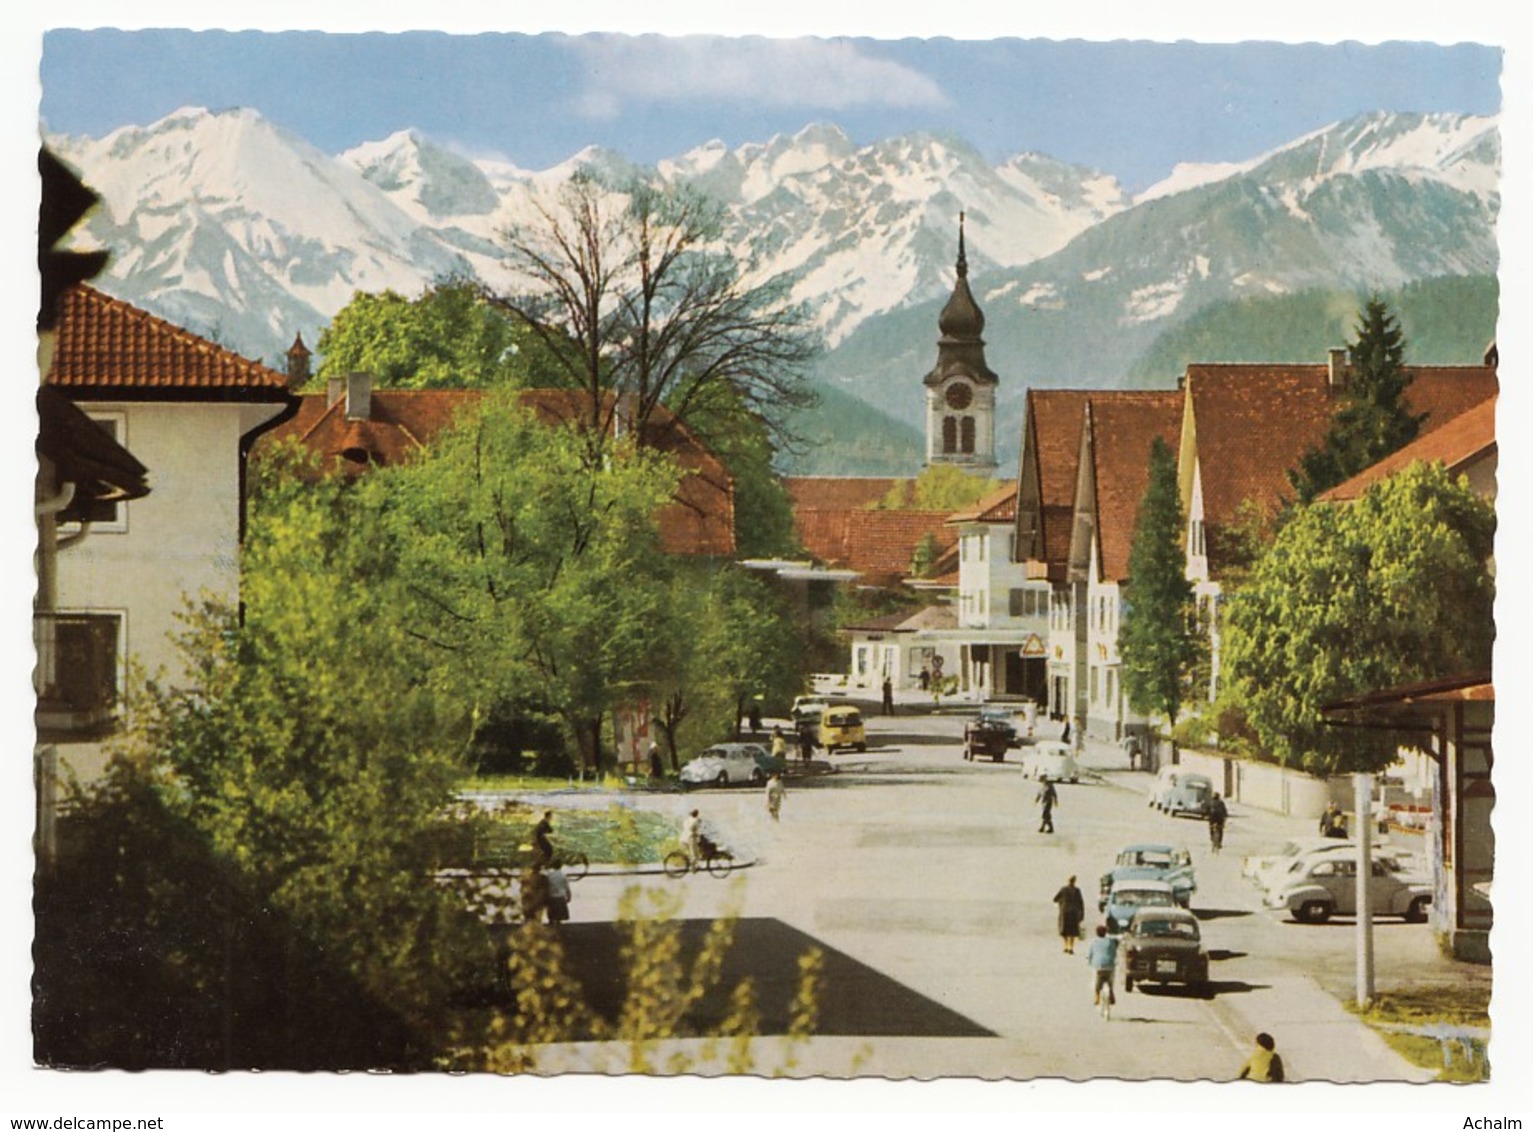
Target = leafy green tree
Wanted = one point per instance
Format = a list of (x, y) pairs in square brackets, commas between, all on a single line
[(1373, 420), (293, 780), (447, 338), (1159, 643), (524, 565), (939, 487), (733, 638), (743, 441), (630, 276), (1391, 589)]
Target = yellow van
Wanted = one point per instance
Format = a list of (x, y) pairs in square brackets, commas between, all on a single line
[(842, 726)]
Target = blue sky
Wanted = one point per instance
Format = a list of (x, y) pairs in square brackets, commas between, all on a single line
[(1132, 108)]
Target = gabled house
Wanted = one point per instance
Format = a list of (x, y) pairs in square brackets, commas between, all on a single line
[(1002, 613), (838, 524), (1245, 426), (1117, 433), (352, 427), (189, 411)]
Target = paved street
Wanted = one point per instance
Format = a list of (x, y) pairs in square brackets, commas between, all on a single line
[(923, 878)]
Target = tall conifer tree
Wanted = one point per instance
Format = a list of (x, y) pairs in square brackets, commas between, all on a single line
[(1159, 644), (1373, 420)]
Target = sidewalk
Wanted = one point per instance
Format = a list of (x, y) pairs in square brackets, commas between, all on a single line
[(1318, 1038)]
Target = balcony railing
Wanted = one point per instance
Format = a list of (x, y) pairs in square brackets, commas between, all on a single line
[(76, 674)]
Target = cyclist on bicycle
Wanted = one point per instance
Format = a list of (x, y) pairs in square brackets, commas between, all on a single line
[(1218, 813), (692, 837), (1102, 956)]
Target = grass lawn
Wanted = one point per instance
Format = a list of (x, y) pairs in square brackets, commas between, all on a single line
[(616, 835), (1435, 1008)]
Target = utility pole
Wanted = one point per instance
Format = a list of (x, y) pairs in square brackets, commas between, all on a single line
[(1362, 808)]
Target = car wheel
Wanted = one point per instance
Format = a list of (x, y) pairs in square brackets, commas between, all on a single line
[(1417, 912), (968, 753), (862, 747), (757, 775), (723, 778), (1128, 984), (1314, 912)]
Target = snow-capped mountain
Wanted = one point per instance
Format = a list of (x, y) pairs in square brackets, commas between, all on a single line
[(237, 229)]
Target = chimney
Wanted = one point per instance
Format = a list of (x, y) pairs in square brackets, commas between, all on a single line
[(335, 389), (1338, 368), (359, 396), (297, 363)]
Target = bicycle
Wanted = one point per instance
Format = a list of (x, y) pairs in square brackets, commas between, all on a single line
[(575, 864), (1106, 1000), (718, 861)]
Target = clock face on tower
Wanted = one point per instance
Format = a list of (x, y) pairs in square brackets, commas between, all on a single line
[(958, 395)]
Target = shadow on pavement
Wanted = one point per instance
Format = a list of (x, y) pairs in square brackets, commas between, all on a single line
[(857, 1001), (1220, 913)]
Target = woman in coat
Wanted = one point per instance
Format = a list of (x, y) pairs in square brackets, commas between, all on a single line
[(1072, 911)]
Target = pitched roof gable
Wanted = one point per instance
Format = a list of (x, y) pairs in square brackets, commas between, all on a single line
[(1461, 441), (107, 349), (1254, 422), (1122, 432), (999, 506)]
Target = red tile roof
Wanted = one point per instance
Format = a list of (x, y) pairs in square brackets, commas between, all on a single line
[(403, 422), (1466, 438), (877, 544), (108, 349), (1052, 445), (1122, 431), (841, 493), (1000, 506), (1254, 422)]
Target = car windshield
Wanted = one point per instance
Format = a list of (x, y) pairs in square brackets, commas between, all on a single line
[(1142, 898), (1167, 929), (1150, 858)]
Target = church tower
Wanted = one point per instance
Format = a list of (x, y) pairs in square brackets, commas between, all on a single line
[(960, 389)]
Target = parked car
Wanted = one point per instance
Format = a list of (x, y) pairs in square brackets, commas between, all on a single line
[(842, 728), (1163, 945), (724, 763), (1400, 864), (1326, 886), (1131, 894), (1152, 862), (808, 709), (1185, 793), (1050, 760), (1264, 870), (990, 734)]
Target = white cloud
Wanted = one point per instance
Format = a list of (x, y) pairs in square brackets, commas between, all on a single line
[(816, 73)]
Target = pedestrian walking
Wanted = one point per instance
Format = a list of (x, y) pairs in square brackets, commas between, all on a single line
[(656, 767), (542, 840), (558, 898), (779, 743), (1102, 958), (1048, 798), (1064, 736), (1072, 911), (1264, 1064), (1218, 814), (806, 742), (774, 794), (926, 680), (888, 696), (755, 714), (534, 893)]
